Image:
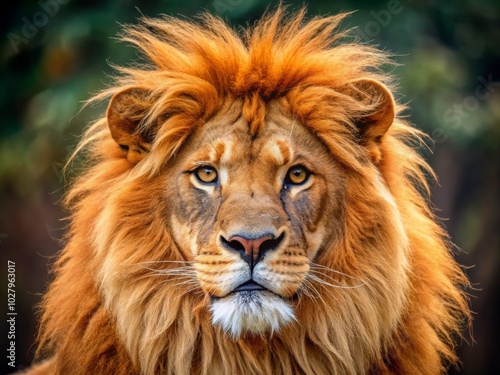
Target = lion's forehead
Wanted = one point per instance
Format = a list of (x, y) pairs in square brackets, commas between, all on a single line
[(234, 151), (230, 145)]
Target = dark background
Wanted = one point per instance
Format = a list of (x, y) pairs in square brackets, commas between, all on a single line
[(447, 53)]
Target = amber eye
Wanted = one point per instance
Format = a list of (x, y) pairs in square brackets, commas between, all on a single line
[(297, 175), (206, 175)]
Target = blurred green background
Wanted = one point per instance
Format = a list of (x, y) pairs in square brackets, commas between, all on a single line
[(55, 54)]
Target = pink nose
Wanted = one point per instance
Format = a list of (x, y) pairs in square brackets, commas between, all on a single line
[(252, 246)]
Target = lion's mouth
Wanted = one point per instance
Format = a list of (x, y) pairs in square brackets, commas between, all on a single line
[(249, 286)]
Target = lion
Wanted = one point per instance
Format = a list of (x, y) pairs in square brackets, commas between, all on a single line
[(253, 203)]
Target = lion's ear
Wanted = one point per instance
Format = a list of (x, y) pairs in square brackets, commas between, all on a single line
[(379, 116), (125, 113)]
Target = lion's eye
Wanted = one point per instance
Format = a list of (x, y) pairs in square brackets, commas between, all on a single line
[(206, 174), (297, 175)]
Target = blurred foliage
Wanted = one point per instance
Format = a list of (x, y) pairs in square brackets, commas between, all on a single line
[(447, 51)]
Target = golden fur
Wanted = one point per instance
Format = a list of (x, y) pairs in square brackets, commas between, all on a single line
[(364, 268)]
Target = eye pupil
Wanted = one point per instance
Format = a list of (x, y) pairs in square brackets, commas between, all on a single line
[(207, 175), (297, 175)]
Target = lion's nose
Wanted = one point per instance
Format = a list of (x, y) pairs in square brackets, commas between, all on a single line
[(253, 248)]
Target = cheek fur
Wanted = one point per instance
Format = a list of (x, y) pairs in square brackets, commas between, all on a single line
[(308, 206), (197, 210), (193, 203)]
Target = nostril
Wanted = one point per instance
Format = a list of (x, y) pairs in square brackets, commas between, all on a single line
[(271, 244), (234, 244)]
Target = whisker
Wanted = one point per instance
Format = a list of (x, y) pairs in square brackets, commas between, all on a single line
[(311, 291), (173, 271), (316, 272), (180, 272), (324, 282), (154, 275), (167, 261), (324, 287), (332, 279), (192, 283), (319, 266)]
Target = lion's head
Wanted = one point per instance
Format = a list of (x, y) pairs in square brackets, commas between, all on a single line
[(251, 214), (252, 208)]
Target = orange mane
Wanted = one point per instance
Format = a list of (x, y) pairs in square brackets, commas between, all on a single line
[(193, 70)]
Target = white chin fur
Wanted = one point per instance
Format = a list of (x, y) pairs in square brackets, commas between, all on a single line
[(251, 312)]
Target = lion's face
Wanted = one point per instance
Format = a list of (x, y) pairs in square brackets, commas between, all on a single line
[(251, 213)]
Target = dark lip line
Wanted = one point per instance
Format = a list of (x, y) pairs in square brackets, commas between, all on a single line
[(249, 286), (258, 288)]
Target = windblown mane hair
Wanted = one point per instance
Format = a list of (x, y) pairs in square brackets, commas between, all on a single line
[(193, 70)]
